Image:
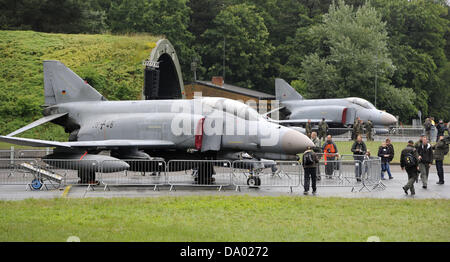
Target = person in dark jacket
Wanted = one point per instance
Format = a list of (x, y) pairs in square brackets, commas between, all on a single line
[(411, 170), (384, 154), (440, 150), (441, 128), (425, 152), (391, 150), (310, 170), (359, 149)]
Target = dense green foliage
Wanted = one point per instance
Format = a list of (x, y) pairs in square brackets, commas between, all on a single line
[(325, 48), (112, 64), (225, 218)]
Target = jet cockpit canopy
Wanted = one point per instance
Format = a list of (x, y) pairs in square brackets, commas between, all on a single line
[(361, 102)]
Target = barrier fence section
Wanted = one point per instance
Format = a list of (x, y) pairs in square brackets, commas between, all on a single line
[(346, 172), (215, 173), (266, 173), (15, 172), (36, 173), (140, 172)]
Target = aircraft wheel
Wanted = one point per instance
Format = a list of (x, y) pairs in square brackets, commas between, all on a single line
[(254, 181), (36, 184)]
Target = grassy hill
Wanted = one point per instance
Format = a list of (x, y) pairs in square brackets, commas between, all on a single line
[(111, 64)]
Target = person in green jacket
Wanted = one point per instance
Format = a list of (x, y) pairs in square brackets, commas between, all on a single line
[(369, 127), (308, 128), (441, 148), (323, 129)]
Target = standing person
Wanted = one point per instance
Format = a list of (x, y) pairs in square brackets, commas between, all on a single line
[(355, 129), (427, 127), (369, 127), (425, 158), (384, 154), (323, 129), (391, 156), (359, 149), (355, 126), (409, 161), (360, 128), (318, 150), (316, 141), (309, 162), (308, 128), (440, 150), (440, 129), (330, 152), (433, 129)]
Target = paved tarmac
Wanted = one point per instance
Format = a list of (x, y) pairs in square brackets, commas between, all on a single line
[(393, 190)]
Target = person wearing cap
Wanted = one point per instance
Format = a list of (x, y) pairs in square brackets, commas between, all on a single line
[(411, 169)]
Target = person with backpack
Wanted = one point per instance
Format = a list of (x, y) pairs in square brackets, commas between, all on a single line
[(359, 149), (385, 154), (309, 162), (330, 152), (425, 158), (409, 161), (440, 150)]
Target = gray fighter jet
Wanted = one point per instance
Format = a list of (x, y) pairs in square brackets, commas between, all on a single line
[(338, 113), (203, 128)]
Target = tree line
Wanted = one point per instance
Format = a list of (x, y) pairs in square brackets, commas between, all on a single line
[(392, 53)]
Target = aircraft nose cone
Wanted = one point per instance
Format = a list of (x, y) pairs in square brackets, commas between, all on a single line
[(293, 142), (388, 119)]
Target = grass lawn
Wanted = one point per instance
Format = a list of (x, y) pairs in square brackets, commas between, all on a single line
[(225, 218)]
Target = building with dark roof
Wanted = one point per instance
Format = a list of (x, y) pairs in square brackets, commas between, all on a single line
[(217, 88)]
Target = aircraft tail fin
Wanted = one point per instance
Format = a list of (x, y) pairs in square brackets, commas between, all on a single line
[(62, 85), (285, 92)]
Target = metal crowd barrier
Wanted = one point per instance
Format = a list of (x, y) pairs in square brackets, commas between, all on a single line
[(205, 173), (349, 173), (141, 172), (12, 172), (266, 173)]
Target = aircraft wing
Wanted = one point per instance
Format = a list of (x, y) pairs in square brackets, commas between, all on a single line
[(40, 121), (86, 144)]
